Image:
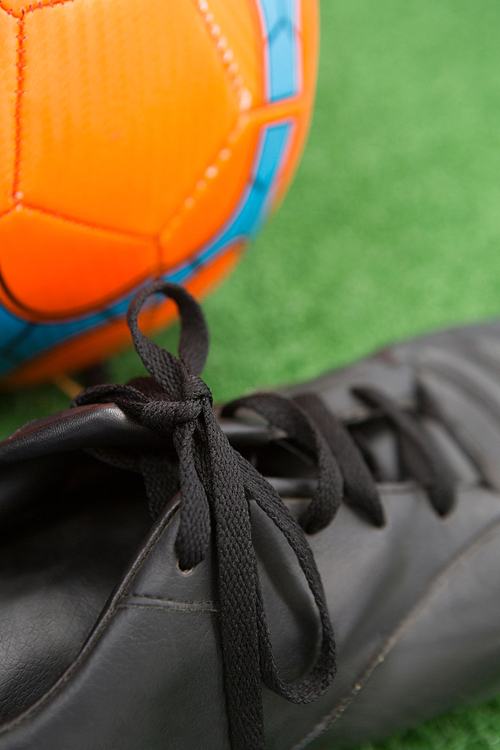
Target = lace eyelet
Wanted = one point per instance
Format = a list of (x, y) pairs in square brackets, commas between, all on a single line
[(184, 573)]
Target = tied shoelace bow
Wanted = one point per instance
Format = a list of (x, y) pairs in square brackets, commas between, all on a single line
[(216, 487), (217, 484)]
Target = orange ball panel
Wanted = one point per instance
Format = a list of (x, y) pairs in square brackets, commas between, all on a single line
[(310, 47), (43, 285), (8, 86), (205, 209), (123, 109), (100, 343)]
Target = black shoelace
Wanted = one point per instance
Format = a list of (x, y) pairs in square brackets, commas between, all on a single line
[(217, 484)]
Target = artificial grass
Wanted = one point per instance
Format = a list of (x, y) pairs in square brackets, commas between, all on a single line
[(391, 228)]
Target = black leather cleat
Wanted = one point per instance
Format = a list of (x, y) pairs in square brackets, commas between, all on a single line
[(157, 594)]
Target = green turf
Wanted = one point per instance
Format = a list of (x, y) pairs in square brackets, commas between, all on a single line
[(391, 228)]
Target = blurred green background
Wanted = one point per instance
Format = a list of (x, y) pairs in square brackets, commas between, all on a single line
[(391, 227)]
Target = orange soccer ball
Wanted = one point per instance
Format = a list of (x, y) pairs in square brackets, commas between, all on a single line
[(136, 142)]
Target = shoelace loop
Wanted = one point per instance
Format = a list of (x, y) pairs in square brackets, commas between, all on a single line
[(216, 487)]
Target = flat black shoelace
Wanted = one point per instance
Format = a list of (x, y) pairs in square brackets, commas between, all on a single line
[(418, 453), (217, 484)]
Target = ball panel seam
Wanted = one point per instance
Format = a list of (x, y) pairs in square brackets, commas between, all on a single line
[(81, 223), (231, 68), (21, 63), (225, 53), (31, 7)]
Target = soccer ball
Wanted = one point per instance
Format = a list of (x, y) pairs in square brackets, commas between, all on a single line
[(136, 142)]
